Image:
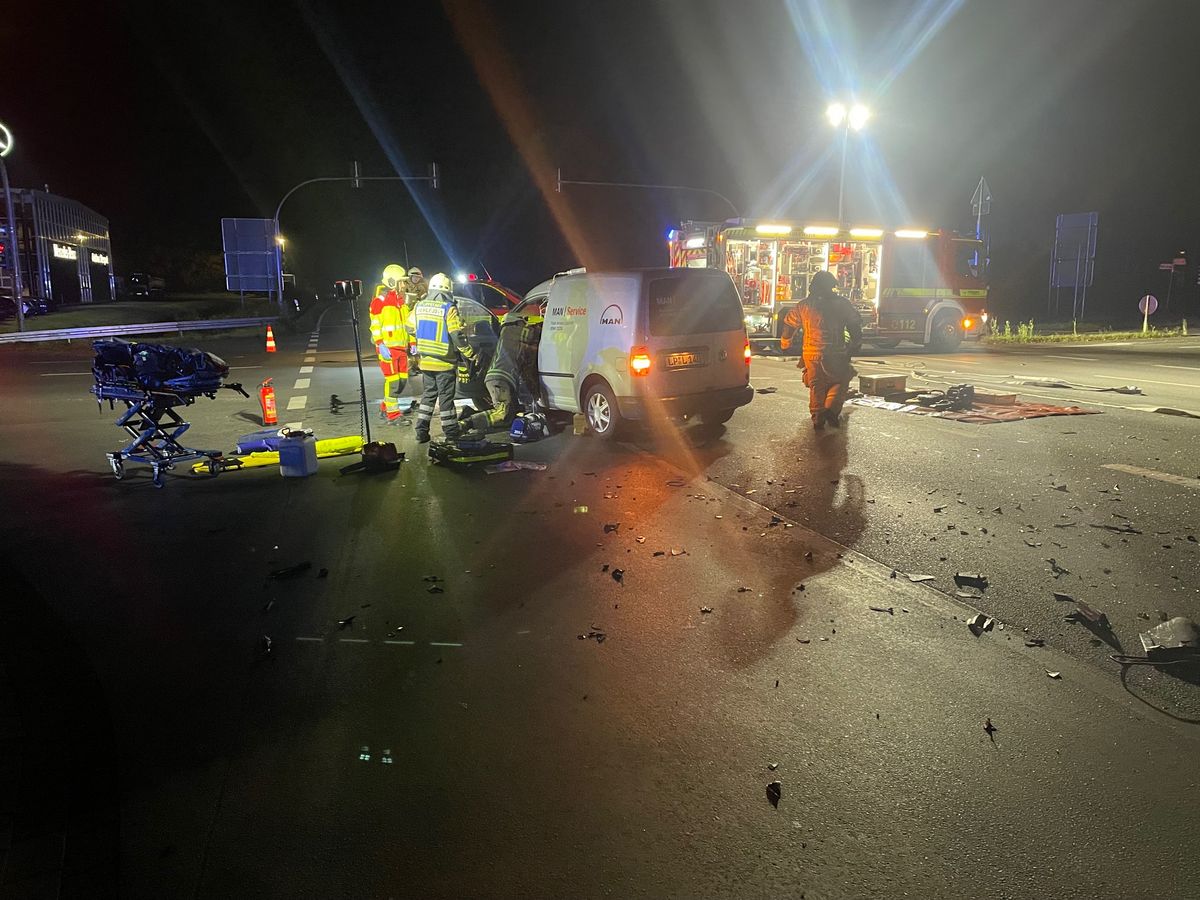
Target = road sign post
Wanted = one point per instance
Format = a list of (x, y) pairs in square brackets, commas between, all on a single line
[(1148, 304)]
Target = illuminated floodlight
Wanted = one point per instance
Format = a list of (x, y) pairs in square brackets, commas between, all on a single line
[(820, 230), (836, 114), (912, 233), (694, 243), (280, 240), (773, 229), (461, 278), (858, 116), (866, 232)]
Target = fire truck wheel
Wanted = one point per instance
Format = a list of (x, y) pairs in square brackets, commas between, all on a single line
[(945, 334), (889, 344)]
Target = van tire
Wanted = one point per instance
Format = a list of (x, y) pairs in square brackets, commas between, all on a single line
[(600, 411), (887, 343), (717, 416)]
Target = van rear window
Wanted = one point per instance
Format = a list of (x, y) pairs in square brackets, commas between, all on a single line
[(688, 305)]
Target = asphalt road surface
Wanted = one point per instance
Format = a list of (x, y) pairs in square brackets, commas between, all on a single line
[(539, 726)]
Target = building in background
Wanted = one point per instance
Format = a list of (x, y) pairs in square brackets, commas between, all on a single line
[(64, 247)]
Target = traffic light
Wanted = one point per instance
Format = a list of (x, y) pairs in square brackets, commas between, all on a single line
[(3, 254)]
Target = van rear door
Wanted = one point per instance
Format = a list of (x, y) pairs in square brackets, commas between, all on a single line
[(695, 333)]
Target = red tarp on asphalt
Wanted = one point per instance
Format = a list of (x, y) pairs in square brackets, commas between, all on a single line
[(980, 413)]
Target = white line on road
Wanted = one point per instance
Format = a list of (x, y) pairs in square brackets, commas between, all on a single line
[(1144, 381), (1165, 366), (401, 643), (353, 641), (1083, 358), (310, 359), (60, 374), (1153, 473), (318, 640), (301, 384), (298, 402), (306, 370), (231, 368), (444, 644)]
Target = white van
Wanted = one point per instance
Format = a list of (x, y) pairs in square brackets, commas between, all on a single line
[(622, 346)]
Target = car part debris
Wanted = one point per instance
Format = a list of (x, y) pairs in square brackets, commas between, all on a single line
[(1086, 614), (971, 579), (1174, 641), (890, 610), (593, 634), (1057, 676), (347, 622), (1035, 642), (1124, 528), (435, 589), (432, 578), (766, 390), (772, 766), (979, 623), (1056, 569), (678, 551), (1064, 598), (618, 575), (705, 610), (290, 571), (775, 793), (918, 579), (611, 527)]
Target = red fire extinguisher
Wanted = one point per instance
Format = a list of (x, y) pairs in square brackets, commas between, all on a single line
[(266, 398)]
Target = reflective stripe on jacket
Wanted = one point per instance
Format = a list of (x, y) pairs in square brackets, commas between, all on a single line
[(436, 329)]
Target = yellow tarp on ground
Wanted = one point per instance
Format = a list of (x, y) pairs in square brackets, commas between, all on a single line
[(339, 446)]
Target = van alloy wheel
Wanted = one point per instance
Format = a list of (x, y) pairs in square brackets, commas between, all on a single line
[(599, 412)]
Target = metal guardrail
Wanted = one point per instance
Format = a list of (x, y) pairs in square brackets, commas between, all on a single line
[(104, 331)]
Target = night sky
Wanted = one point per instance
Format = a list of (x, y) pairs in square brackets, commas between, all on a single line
[(167, 121)]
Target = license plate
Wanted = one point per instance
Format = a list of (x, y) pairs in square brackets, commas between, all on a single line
[(681, 360)]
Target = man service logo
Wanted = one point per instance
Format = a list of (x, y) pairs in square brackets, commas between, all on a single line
[(612, 315)]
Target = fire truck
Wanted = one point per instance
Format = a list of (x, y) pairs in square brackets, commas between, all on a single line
[(926, 287)]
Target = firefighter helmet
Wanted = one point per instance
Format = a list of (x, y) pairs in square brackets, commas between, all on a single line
[(822, 281), (440, 282), (415, 275), (393, 275)]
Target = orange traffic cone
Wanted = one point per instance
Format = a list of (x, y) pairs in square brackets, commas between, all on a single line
[(270, 340)]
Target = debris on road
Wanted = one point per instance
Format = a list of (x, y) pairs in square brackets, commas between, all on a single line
[(611, 527), (1124, 528), (772, 766), (990, 729), (1172, 641), (775, 793), (593, 634), (705, 610), (971, 579), (918, 579), (347, 622), (618, 575), (766, 390), (324, 573), (1056, 569), (677, 482), (939, 509), (1029, 543), (659, 553), (744, 590), (435, 589), (1063, 598), (1086, 614), (515, 465), (1061, 487), (640, 540), (1035, 642), (1057, 676), (890, 610), (678, 551), (432, 578), (979, 623), (290, 571)]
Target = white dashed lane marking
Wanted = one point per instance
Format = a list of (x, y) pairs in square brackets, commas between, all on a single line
[(321, 640), (301, 384), (1165, 366), (298, 402), (306, 370), (1143, 381)]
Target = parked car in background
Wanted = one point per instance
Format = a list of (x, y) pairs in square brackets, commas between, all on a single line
[(146, 287), (33, 306)]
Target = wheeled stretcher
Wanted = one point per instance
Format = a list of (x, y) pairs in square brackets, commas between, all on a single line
[(153, 381)]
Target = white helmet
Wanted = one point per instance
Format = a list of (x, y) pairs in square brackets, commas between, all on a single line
[(440, 282)]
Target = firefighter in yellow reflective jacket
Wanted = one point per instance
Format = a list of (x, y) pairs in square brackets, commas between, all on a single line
[(390, 336), (441, 343)]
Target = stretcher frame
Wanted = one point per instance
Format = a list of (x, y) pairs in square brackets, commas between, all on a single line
[(155, 427)]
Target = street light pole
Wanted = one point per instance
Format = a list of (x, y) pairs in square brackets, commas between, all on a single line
[(6, 143), (842, 177)]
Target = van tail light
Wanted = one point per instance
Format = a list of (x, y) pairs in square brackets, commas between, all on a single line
[(639, 361), (746, 353)]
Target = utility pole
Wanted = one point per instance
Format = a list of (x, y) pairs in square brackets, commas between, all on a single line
[(6, 144)]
